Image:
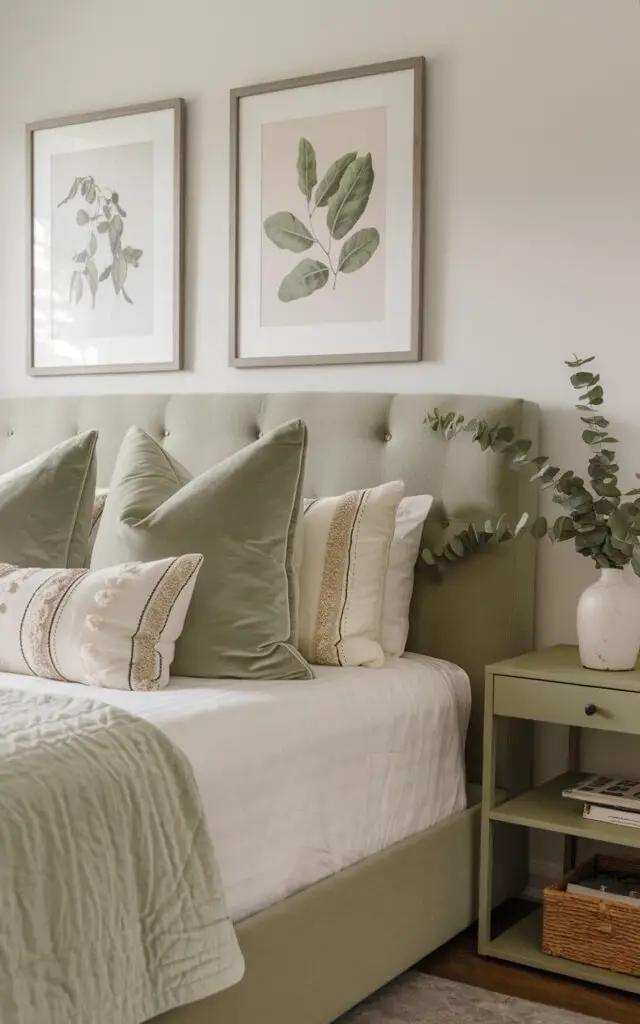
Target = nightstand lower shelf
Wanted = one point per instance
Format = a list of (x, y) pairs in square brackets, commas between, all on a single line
[(522, 944)]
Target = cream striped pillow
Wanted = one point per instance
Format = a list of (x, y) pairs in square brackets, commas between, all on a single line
[(346, 541), (113, 627)]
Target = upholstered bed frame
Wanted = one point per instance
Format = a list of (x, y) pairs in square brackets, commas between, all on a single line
[(311, 957)]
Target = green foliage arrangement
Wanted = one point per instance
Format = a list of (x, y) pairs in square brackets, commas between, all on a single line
[(344, 190), (602, 525), (104, 216)]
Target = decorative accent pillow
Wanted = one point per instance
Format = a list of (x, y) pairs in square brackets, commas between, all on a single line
[(242, 516), (96, 515), (114, 627), (346, 541), (46, 504), (403, 556)]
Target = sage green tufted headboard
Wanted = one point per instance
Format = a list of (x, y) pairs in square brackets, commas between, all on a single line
[(483, 611)]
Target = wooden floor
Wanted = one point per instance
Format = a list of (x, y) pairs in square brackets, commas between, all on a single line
[(459, 961)]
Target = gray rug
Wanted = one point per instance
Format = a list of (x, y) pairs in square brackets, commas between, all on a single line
[(422, 999)]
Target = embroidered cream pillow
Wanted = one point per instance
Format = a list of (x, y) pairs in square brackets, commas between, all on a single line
[(113, 627), (346, 541)]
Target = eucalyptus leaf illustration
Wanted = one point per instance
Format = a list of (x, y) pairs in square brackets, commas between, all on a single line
[(307, 172), (91, 273), (119, 269), (350, 201), (115, 199), (331, 180), (73, 191), (75, 290), (344, 189), (115, 229), (305, 279), (287, 232), (132, 256), (99, 219), (358, 250)]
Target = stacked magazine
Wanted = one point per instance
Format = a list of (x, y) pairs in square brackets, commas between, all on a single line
[(613, 800)]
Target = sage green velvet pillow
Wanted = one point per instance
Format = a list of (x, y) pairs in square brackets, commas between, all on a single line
[(242, 516), (46, 506)]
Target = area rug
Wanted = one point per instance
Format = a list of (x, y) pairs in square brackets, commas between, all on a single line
[(422, 999)]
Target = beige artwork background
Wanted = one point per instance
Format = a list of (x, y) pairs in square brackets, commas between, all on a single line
[(359, 296)]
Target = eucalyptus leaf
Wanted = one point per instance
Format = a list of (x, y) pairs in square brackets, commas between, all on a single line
[(330, 182), (579, 362), (287, 232), (91, 272), (73, 191), (539, 528), (115, 229), (82, 218), (305, 279), (358, 250), (119, 269), (115, 199), (349, 202), (132, 256), (126, 296), (102, 227), (521, 525), (306, 166), (105, 273), (93, 244)]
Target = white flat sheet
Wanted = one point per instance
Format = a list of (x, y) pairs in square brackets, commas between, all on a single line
[(301, 779)]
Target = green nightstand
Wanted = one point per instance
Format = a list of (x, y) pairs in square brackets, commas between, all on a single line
[(550, 686)]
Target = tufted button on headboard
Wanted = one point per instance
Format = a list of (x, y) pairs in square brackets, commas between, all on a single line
[(481, 612)]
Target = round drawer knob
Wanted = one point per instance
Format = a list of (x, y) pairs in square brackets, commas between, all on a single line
[(590, 709)]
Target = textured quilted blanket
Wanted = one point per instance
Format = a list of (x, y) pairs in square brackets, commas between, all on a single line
[(111, 905)]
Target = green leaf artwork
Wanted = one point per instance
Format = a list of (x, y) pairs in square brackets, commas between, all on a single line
[(358, 250), (331, 181), (98, 217), (344, 191), (350, 201), (305, 279), (307, 172), (287, 232), (602, 522)]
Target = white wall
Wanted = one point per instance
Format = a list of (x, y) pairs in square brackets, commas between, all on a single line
[(534, 191)]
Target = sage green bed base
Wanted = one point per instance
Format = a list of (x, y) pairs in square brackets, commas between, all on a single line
[(311, 957)]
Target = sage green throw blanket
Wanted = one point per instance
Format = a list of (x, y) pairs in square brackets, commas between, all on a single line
[(111, 905)]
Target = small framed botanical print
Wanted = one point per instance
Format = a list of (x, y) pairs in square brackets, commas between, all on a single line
[(326, 217), (105, 241)]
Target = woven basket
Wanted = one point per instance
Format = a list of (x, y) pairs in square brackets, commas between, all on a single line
[(593, 931)]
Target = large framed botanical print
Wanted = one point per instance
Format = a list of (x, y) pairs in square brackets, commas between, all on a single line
[(326, 217), (105, 240)]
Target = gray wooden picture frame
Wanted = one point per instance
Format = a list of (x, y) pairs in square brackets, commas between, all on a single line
[(414, 352), (176, 362)]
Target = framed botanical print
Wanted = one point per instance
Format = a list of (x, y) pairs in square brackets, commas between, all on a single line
[(105, 241), (326, 217)]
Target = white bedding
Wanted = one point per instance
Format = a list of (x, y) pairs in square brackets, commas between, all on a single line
[(301, 779)]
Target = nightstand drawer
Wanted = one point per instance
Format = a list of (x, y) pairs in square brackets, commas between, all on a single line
[(567, 704)]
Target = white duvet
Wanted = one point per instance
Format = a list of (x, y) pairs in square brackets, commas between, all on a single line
[(301, 779)]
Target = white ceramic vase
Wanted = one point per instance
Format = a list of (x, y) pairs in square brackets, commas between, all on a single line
[(609, 623)]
